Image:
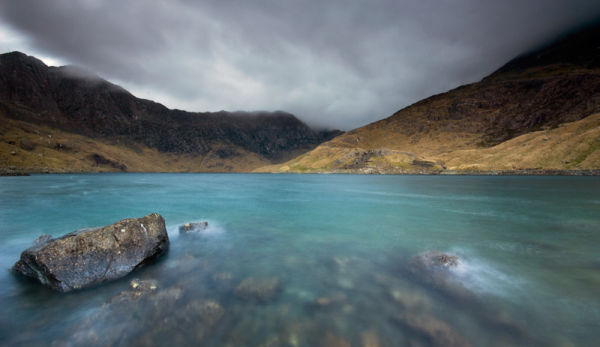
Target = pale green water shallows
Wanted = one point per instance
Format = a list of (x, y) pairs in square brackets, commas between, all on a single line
[(309, 260)]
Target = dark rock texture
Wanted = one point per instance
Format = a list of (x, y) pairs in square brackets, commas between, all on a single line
[(87, 257), (79, 102)]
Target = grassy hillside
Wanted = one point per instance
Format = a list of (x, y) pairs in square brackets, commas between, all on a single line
[(25, 147), (569, 146)]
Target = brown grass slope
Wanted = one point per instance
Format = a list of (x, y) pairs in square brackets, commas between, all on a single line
[(510, 120), (31, 148)]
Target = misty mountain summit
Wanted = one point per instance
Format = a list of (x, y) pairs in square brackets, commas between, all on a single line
[(35, 98)]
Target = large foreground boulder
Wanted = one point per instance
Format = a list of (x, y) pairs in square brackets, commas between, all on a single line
[(90, 256)]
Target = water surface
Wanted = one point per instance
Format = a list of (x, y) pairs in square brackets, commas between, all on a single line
[(337, 256)]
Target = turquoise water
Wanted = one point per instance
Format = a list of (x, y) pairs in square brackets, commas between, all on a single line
[(342, 248)]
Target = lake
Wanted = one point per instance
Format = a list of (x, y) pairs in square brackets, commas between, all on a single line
[(331, 260)]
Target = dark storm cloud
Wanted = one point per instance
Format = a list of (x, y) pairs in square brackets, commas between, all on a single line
[(333, 63)]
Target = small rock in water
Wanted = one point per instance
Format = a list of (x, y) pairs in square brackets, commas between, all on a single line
[(262, 290), (433, 263), (193, 227), (437, 260), (88, 257), (436, 270), (326, 301)]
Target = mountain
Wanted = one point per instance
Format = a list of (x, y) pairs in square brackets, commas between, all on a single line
[(538, 113), (98, 119)]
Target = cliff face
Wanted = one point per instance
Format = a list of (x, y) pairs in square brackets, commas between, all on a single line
[(74, 101), (535, 92)]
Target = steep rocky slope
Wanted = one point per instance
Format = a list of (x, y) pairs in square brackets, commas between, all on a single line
[(32, 148), (454, 131), (75, 102)]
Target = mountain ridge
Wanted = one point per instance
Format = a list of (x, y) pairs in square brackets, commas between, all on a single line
[(526, 95), (75, 101)]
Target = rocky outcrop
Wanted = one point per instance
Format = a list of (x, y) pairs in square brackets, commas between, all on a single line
[(87, 257)]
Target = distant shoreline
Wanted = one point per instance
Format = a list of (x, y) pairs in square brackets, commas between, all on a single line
[(523, 172)]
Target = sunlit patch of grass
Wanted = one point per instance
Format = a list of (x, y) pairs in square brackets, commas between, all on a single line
[(594, 146), (550, 149)]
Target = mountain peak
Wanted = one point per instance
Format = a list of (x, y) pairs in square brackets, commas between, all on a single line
[(577, 49), (16, 57)]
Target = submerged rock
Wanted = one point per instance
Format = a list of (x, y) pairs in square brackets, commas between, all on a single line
[(143, 285), (369, 338), (439, 271), (137, 289), (328, 301), (409, 300), (189, 324), (262, 290), (332, 340), (193, 227), (433, 266), (223, 281), (90, 256), (431, 330), (122, 319)]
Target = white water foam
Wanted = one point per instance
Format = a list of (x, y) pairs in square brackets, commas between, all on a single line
[(479, 276)]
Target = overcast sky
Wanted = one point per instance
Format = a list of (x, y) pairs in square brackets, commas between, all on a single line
[(338, 64)]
